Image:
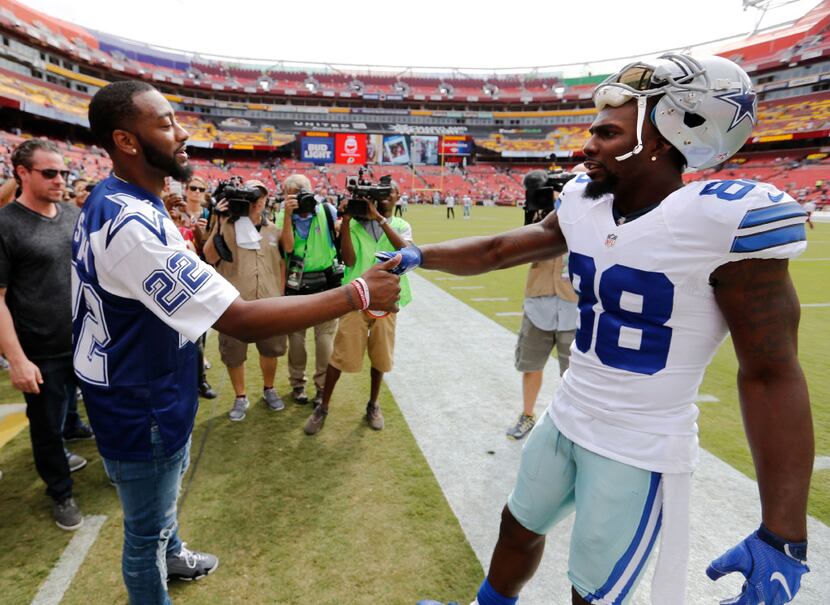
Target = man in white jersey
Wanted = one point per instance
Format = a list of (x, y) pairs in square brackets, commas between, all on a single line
[(140, 300), (663, 272)]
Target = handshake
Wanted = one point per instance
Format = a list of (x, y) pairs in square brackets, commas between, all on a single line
[(382, 287)]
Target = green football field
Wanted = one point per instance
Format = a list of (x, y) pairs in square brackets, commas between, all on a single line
[(350, 516)]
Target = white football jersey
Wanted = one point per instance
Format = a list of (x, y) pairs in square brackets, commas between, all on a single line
[(648, 321)]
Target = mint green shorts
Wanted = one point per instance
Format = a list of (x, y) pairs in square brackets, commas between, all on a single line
[(618, 511)]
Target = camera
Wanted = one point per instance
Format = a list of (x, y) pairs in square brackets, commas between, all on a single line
[(239, 198), (364, 192), (542, 198), (306, 202)]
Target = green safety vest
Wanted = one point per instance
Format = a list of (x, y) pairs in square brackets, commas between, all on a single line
[(317, 250), (365, 247)]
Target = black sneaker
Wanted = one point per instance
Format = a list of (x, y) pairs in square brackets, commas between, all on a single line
[(190, 565), (80, 432), (299, 396), (75, 461), (206, 391), (67, 515)]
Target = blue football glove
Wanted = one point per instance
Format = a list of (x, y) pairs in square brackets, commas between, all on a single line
[(410, 259), (771, 566)]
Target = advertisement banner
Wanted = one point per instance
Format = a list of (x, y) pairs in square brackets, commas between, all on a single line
[(319, 150), (395, 149), (350, 149), (456, 146), (425, 150), (374, 148)]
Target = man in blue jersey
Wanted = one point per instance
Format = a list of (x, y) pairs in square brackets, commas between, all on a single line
[(140, 301)]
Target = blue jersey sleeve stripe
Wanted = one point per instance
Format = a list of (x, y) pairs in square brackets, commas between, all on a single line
[(769, 239), (769, 214)]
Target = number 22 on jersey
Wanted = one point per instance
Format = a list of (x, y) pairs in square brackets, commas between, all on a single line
[(631, 331)]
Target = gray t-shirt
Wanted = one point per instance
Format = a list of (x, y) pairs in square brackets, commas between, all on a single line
[(35, 269)]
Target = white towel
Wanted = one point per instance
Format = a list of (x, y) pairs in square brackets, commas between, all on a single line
[(246, 234)]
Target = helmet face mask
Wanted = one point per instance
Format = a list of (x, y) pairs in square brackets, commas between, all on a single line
[(706, 108)]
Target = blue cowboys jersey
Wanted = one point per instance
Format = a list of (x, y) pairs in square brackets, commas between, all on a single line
[(140, 299), (648, 321)]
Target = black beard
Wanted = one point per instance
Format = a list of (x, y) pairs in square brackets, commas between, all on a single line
[(596, 189), (165, 163)]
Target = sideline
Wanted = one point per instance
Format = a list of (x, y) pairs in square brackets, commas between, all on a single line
[(459, 416), (53, 589)]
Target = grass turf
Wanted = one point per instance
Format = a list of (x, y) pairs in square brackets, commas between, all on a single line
[(350, 516)]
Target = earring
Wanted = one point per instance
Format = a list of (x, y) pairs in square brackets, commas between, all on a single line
[(654, 158)]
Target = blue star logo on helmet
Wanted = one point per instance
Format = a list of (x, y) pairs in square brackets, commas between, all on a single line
[(744, 103)]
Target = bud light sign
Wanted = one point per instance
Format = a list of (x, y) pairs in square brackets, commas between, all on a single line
[(318, 150)]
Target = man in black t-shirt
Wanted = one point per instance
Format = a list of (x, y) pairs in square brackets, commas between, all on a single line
[(36, 312)]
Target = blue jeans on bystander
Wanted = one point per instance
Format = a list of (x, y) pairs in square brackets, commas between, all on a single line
[(148, 491)]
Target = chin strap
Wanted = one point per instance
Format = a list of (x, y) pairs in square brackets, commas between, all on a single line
[(641, 114)]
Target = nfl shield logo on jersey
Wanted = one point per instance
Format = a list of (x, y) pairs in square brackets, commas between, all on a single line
[(610, 240)]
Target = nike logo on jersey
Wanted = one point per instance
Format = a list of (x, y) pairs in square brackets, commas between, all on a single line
[(775, 198), (777, 576)]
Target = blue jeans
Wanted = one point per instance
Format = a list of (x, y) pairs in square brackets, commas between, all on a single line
[(148, 491)]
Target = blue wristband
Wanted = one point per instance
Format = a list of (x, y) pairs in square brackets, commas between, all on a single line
[(796, 550)]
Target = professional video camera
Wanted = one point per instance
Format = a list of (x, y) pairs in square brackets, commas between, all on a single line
[(364, 192), (239, 198), (542, 197)]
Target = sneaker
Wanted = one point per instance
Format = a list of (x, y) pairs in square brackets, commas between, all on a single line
[(318, 398), (373, 416), (270, 397), (522, 427), (316, 421), (207, 364), (239, 409), (75, 461), (80, 432), (66, 514), (299, 396), (190, 565), (206, 391)]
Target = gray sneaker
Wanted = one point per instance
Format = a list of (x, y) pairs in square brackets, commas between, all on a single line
[(75, 461), (239, 409), (67, 515), (270, 397), (316, 421), (373, 416), (299, 395), (190, 565), (522, 427)]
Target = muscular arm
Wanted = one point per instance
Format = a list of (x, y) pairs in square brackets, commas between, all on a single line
[(209, 250), (474, 255), (287, 234), (253, 320), (761, 307), (25, 375)]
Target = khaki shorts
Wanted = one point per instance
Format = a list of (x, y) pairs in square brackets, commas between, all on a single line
[(535, 346), (234, 352), (357, 332)]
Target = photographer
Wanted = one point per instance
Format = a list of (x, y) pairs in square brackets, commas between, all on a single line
[(244, 248), (550, 310), (361, 236), (307, 236)]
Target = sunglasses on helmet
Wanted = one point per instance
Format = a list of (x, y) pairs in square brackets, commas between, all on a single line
[(50, 173)]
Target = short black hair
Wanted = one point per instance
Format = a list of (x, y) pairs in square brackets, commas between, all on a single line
[(112, 108), (535, 179), (23, 153)]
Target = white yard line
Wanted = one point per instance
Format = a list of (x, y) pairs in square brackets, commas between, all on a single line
[(459, 417), (816, 305), (822, 463), (493, 299), (53, 589)]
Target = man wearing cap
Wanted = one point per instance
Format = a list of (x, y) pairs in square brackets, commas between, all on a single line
[(255, 269)]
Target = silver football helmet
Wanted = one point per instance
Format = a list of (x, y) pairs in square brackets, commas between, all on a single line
[(707, 110)]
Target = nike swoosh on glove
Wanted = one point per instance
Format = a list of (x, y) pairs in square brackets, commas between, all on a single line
[(772, 577), (410, 259)]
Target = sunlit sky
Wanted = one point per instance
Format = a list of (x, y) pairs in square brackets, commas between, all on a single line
[(426, 33)]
